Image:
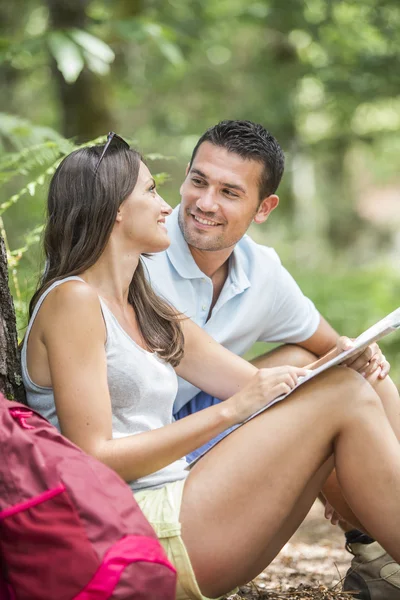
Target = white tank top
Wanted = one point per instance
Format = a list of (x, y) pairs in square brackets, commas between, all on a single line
[(142, 390)]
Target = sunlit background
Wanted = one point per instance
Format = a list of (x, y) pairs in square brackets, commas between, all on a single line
[(322, 76)]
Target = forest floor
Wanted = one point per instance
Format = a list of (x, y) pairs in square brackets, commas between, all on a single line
[(310, 566)]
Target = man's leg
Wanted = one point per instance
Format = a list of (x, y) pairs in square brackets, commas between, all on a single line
[(373, 573), (288, 354)]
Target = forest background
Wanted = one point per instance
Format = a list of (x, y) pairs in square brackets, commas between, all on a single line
[(323, 76)]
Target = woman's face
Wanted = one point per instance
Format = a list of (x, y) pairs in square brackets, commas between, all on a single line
[(141, 216)]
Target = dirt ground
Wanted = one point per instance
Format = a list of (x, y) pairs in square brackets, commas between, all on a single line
[(310, 566)]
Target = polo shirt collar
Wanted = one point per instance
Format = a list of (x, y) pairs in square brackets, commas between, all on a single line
[(237, 273), (184, 263), (178, 251)]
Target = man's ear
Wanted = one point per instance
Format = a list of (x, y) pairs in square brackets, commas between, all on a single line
[(266, 207), (186, 174)]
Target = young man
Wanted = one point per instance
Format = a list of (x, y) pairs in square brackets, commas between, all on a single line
[(238, 291)]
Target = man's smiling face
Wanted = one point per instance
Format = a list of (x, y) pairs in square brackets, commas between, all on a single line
[(220, 198)]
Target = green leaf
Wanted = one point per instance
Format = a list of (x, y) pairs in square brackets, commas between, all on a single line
[(161, 178), (93, 45), (158, 156), (171, 51), (31, 188), (162, 37), (96, 64), (67, 55)]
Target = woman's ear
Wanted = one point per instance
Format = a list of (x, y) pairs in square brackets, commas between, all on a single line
[(118, 217), (266, 207)]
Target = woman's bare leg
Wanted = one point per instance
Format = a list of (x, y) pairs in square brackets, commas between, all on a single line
[(244, 498)]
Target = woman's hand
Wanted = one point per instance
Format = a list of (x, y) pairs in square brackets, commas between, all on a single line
[(265, 386)]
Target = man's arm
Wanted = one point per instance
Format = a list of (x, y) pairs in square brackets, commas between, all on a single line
[(322, 341)]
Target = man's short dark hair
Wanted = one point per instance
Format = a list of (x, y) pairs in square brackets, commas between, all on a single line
[(251, 141)]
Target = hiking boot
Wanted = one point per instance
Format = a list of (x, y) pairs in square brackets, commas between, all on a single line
[(373, 575)]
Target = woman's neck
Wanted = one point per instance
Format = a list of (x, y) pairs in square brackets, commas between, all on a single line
[(112, 274)]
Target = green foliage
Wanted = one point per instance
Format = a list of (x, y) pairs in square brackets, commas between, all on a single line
[(354, 300), (74, 48), (20, 133)]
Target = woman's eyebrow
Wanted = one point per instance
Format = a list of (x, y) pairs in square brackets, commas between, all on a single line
[(151, 180)]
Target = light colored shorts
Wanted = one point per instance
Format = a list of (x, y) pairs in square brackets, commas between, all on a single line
[(161, 508)]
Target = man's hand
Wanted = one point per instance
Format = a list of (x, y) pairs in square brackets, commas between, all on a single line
[(332, 515), (368, 362)]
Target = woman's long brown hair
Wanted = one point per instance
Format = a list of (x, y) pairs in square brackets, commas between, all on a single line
[(81, 211)]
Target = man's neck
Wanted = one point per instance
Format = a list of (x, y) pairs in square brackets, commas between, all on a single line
[(214, 264), (211, 262)]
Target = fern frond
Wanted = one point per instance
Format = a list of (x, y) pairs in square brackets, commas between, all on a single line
[(30, 188), (20, 132), (30, 159), (36, 155), (31, 238)]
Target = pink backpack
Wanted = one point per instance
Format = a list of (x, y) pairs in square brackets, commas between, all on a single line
[(70, 528)]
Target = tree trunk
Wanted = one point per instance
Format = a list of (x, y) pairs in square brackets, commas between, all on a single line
[(10, 368), (8, 75), (85, 103)]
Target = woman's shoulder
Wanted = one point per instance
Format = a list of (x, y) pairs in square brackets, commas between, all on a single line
[(70, 311), (73, 290), (73, 299)]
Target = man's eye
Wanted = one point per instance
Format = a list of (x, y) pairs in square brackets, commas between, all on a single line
[(197, 181), (230, 193)]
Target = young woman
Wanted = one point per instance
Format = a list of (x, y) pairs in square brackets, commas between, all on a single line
[(100, 359)]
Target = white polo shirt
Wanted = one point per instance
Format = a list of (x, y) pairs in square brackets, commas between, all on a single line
[(260, 300)]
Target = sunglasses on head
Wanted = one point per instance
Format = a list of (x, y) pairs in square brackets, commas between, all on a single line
[(116, 140)]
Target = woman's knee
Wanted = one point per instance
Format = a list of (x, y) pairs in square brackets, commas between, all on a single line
[(351, 391), (344, 390)]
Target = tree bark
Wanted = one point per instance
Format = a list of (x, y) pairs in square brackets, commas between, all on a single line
[(10, 367)]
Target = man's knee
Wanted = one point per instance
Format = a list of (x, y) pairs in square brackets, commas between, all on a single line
[(288, 354)]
